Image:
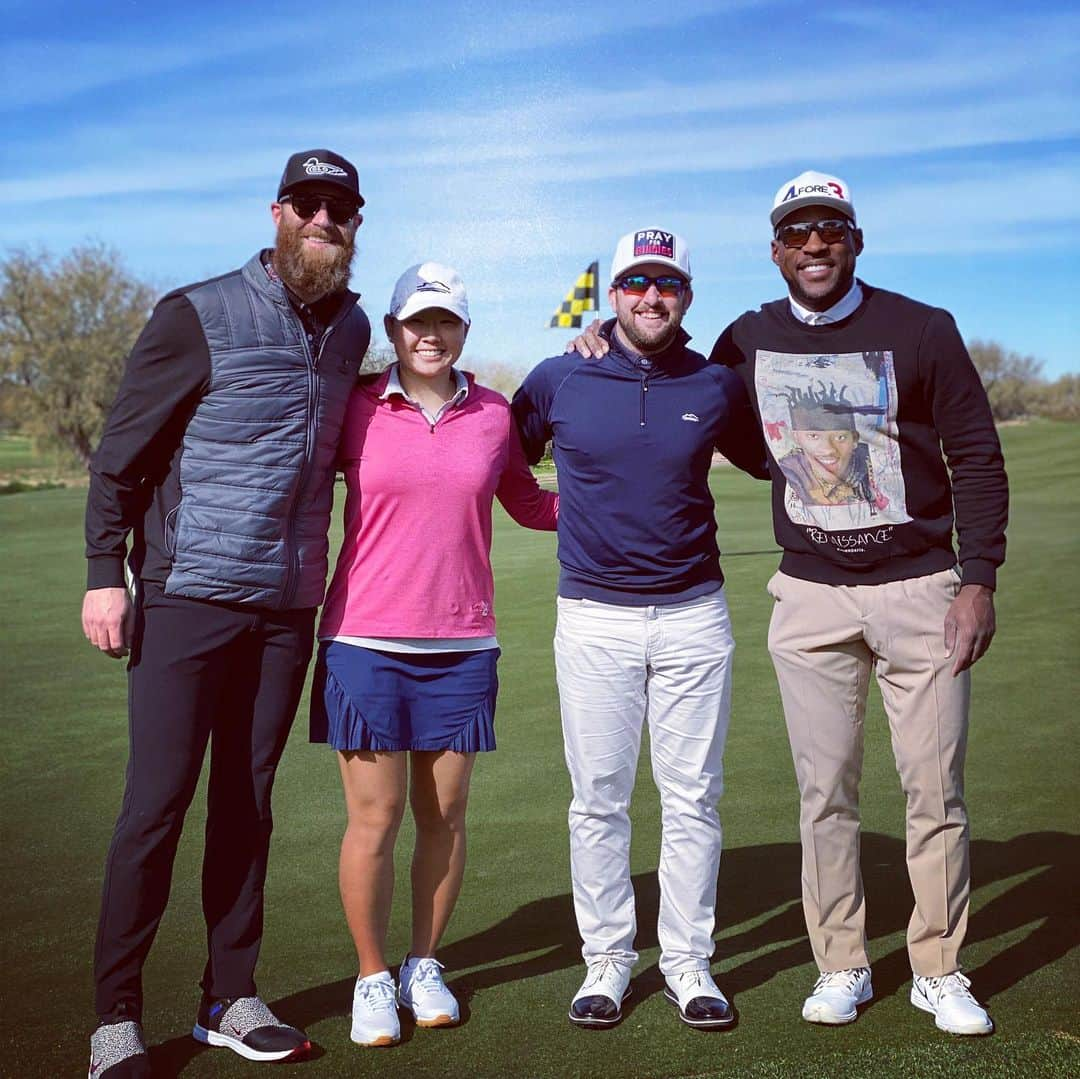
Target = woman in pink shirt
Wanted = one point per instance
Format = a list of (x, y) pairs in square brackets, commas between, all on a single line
[(405, 682)]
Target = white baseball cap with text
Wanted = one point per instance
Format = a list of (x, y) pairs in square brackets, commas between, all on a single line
[(426, 285), (651, 245), (812, 189)]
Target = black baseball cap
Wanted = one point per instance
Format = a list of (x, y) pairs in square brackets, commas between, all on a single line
[(323, 167)]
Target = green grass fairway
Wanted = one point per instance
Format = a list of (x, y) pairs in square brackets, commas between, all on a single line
[(18, 460), (512, 950)]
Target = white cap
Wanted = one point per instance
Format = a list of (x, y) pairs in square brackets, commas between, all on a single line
[(651, 245), (429, 284), (812, 189)]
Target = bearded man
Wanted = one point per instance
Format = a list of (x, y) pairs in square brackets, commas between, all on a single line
[(218, 455), (643, 632)]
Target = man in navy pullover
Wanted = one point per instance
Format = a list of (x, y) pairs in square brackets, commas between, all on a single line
[(882, 444), (643, 631)]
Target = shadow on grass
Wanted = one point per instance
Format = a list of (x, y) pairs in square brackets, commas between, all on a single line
[(757, 885), (1044, 902)]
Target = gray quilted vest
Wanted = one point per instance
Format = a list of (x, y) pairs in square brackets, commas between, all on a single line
[(257, 466)]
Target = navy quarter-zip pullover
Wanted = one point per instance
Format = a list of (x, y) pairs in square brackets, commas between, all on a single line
[(633, 439)]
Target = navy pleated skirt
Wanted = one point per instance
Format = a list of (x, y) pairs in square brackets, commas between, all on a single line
[(366, 699)]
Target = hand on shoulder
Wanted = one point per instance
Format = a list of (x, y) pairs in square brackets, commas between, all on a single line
[(589, 343)]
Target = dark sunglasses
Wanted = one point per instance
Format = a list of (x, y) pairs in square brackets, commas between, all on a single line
[(340, 211), (831, 232), (638, 284)]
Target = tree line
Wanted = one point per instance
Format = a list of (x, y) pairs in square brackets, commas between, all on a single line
[(67, 325)]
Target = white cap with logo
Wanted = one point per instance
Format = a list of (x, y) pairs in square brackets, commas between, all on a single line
[(651, 245), (812, 189), (426, 285)]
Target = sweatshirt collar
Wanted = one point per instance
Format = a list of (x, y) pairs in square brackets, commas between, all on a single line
[(848, 304)]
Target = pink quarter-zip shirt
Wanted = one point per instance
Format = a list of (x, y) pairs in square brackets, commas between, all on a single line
[(416, 561)]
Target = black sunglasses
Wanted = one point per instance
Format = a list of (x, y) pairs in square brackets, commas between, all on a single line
[(340, 211), (638, 284), (831, 232)]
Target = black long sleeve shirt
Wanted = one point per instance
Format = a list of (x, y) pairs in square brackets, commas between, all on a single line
[(892, 385)]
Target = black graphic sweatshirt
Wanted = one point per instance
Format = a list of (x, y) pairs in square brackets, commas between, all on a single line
[(880, 437)]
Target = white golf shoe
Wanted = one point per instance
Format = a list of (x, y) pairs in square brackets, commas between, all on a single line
[(949, 1000), (374, 1011), (423, 991), (836, 996)]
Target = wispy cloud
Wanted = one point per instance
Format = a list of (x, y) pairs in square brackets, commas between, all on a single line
[(948, 94), (40, 70), (518, 143), (857, 132)]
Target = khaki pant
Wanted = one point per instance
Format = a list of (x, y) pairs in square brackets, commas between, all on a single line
[(824, 640)]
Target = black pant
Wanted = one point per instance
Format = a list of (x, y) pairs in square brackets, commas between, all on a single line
[(200, 672)]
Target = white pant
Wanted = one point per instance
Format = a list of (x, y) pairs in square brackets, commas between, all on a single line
[(617, 666)]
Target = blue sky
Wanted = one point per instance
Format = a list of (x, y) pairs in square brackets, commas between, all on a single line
[(517, 141)]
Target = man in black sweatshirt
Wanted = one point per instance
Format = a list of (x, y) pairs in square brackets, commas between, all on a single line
[(881, 441)]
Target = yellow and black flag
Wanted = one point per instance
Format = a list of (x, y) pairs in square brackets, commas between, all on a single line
[(582, 297)]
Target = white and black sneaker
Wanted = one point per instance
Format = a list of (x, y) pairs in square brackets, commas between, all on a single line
[(248, 1027), (117, 1051), (699, 1000), (949, 1000), (598, 1003), (837, 996)]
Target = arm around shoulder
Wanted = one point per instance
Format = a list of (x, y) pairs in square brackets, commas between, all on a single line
[(741, 440), (530, 408), (726, 351)]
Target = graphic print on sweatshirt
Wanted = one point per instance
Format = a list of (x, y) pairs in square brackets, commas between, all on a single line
[(830, 423)]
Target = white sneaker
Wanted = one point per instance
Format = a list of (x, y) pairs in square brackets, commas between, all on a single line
[(423, 991), (598, 1003), (374, 1011), (837, 995), (948, 999)]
